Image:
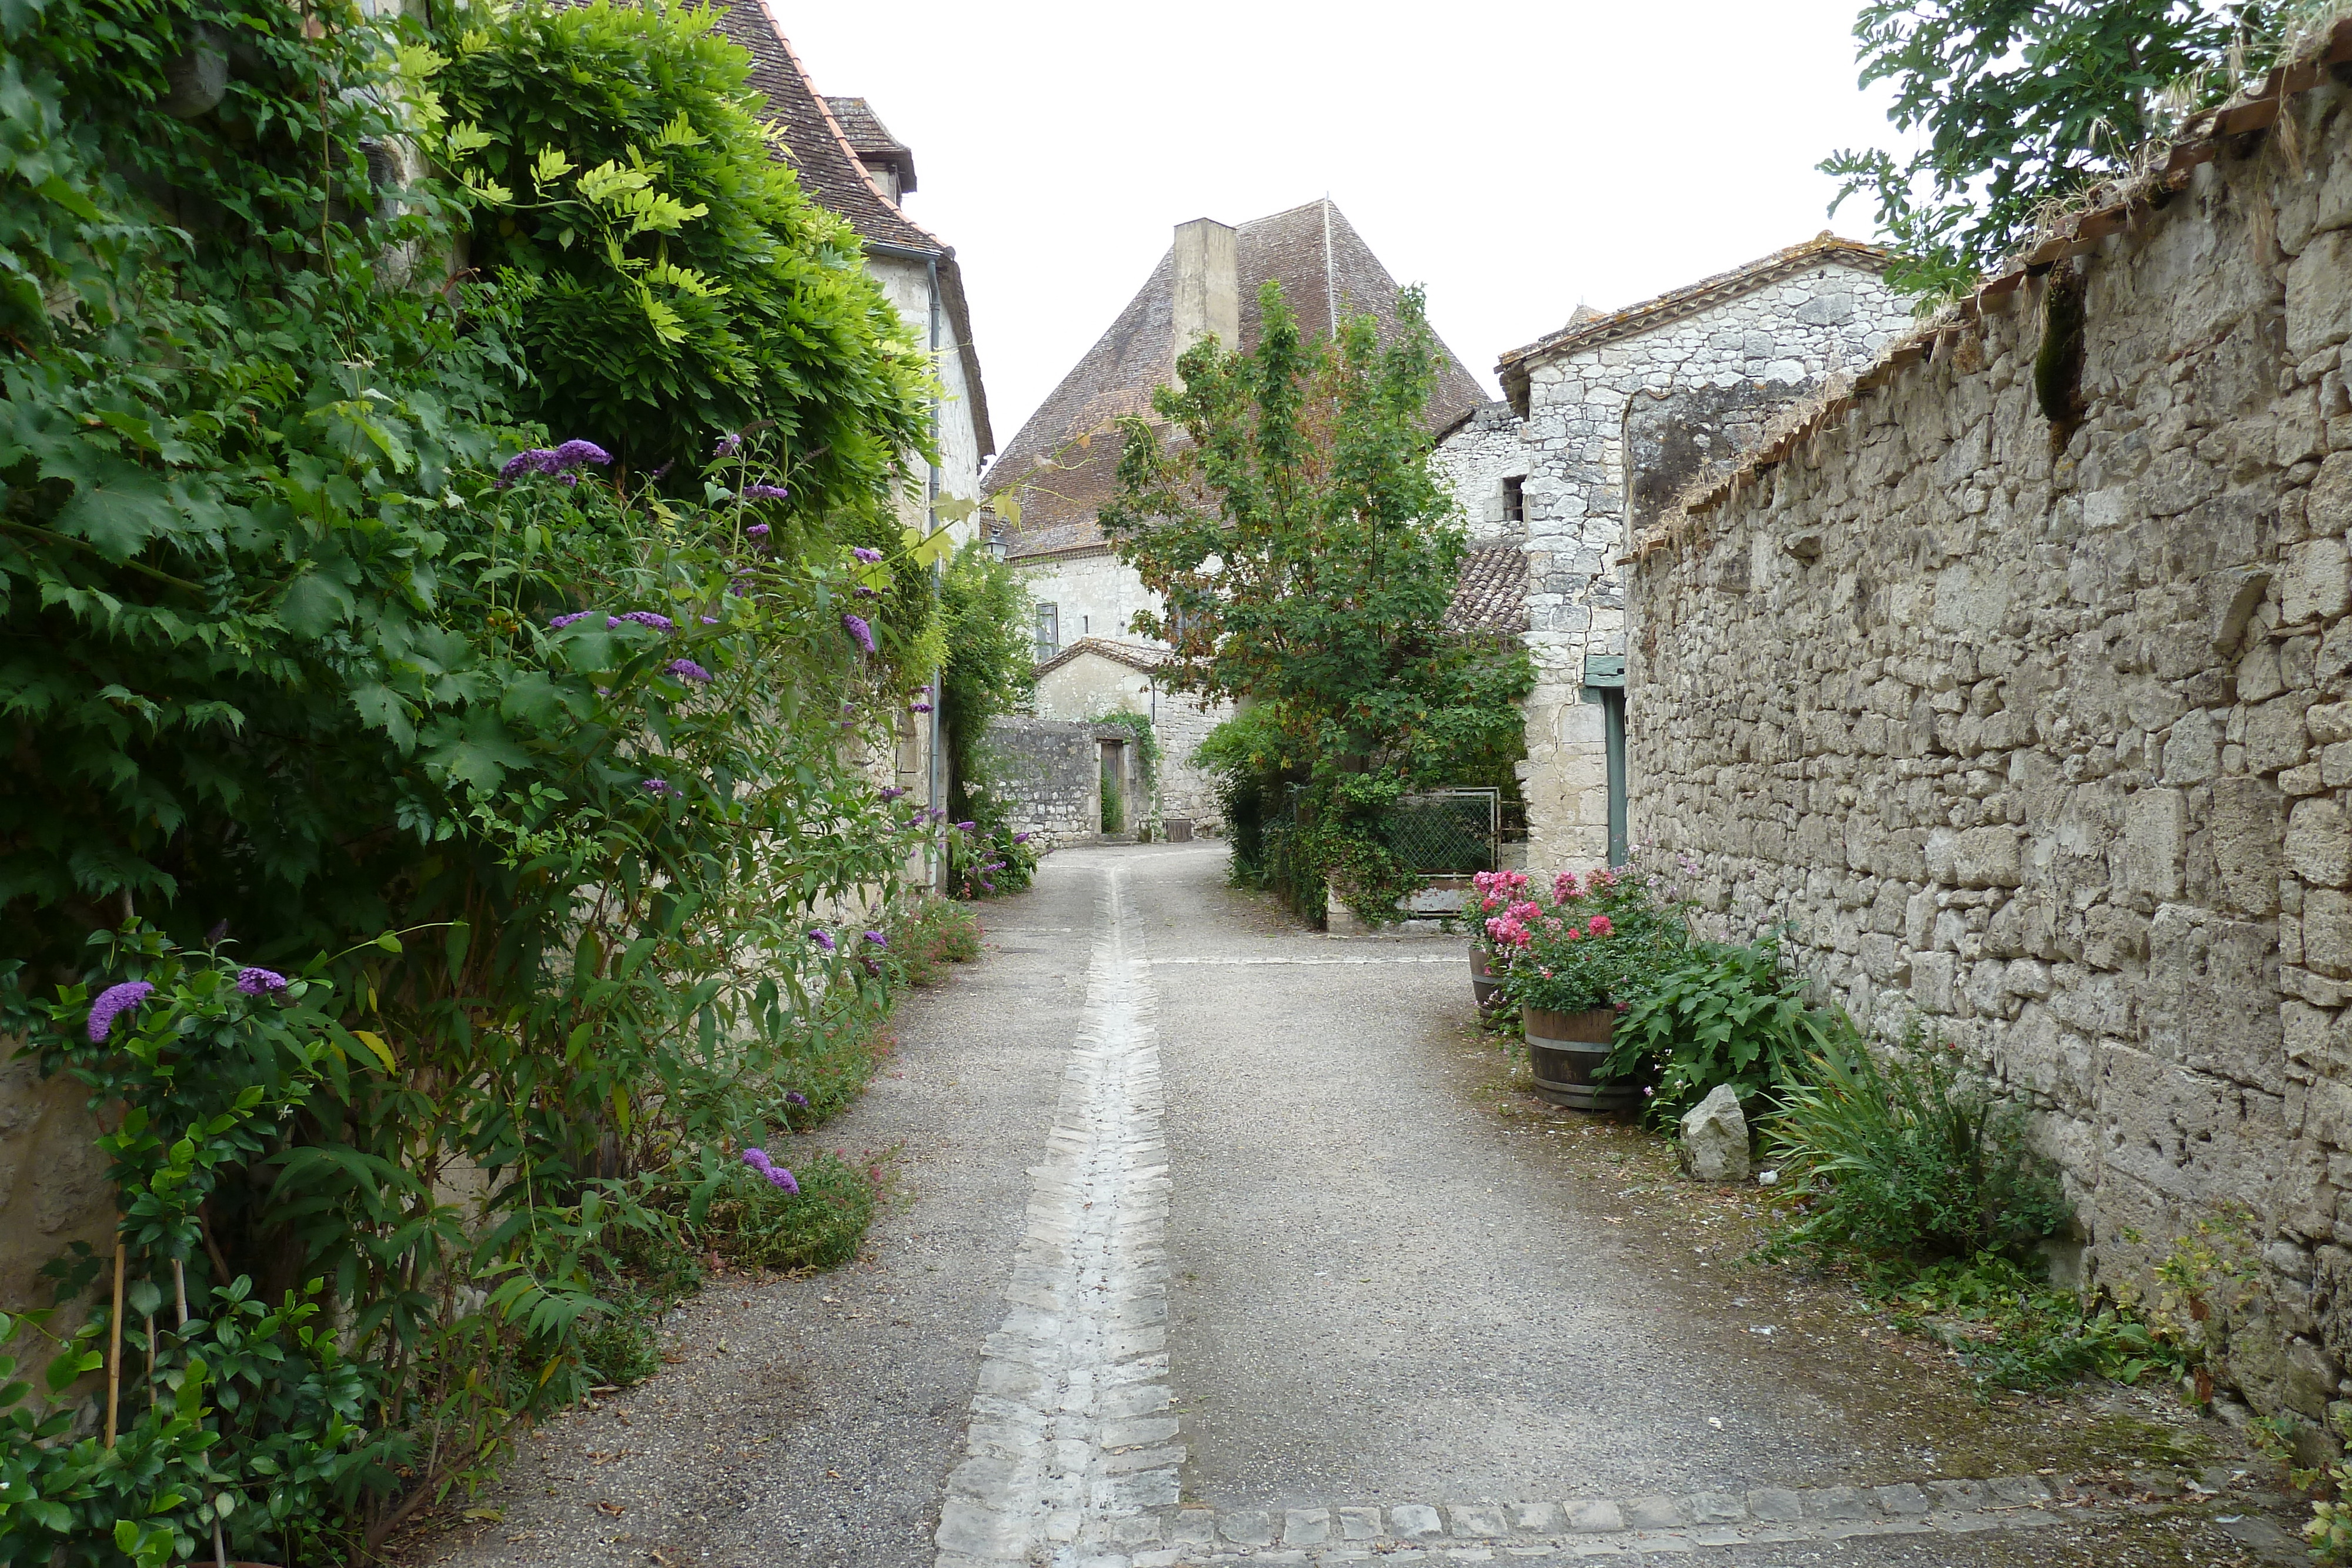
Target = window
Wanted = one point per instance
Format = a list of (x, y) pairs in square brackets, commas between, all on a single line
[(1049, 632), (1514, 500)]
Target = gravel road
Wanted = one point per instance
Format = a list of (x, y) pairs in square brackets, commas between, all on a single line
[(1377, 1290)]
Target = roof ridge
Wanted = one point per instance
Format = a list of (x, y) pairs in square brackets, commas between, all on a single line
[(783, 41)]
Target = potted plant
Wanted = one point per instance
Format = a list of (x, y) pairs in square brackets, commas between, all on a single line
[(1574, 969), (1496, 892)]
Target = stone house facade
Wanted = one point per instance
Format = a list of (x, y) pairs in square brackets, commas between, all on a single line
[(1602, 423), (1099, 675), (2051, 751)]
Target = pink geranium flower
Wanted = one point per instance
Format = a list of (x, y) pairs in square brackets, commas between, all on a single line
[(1598, 926)]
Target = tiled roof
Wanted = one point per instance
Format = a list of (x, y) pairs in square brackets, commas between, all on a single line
[(1589, 327), (1492, 595), (1142, 656), (871, 139), (822, 156), (2200, 142), (1319, 258)]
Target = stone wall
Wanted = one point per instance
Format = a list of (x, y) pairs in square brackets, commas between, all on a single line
[(2044, 734), (1473, 459), (53, 1185), (1051, 773)]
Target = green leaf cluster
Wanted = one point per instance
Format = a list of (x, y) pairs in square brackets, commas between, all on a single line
[(2024, 103), (1722, 1013)]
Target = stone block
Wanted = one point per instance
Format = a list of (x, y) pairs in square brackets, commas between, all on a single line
[(1777, 1505), (1414, 1522), (2319, 842), (1653, 1514), (1538, 1518), (2247, 823), (1247, 1527), (2326, 932), (2319, 295), (1603, 1518), (2313, 581), (1901, 1502), (1305, 1526), (1477, 1521), (2155, 842), (1714, 1508), (1360, 1524)]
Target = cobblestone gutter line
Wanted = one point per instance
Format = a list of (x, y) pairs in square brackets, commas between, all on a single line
[(1070, 1432), (1538, 1533)]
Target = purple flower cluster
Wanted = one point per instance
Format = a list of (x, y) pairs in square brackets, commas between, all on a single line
[(822, 938), (918, 708), (658, 787), (794, 1097), (561, 460), (727, 446), (865, 592), (777, 1174), (765, 492), (256, 982), (687, 670), (893, 792), (966, 827), (859, 632), (642, 617), (558, 622), (757, 530), (112, 1002), (1020, 838), (868, 556), (877, 940)]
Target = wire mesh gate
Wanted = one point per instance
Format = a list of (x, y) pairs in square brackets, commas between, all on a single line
[(1447, 833)]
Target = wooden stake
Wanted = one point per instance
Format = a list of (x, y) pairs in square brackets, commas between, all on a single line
[(114, 1353)]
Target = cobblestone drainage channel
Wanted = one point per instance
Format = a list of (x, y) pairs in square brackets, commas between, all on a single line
[(1070, 1434)]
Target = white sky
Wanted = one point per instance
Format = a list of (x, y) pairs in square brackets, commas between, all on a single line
[(1513, 156)]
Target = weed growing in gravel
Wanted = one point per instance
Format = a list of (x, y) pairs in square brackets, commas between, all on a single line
[(928, 935), (2012, 1331), (756, 1224)]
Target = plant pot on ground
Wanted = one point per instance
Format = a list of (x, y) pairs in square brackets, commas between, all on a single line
[(1566, 1050)]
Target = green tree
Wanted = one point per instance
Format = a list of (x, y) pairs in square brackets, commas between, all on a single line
[(1305, 554), (2025, 102)]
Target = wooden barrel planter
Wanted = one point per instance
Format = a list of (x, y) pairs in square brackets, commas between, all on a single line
[(1566, 1050), (1485, 984)]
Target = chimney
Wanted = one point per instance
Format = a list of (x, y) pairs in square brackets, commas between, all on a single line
[(1208, 284)]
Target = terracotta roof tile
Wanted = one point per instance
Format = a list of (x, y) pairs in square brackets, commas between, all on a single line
[(1136, 354), (1491, 596)]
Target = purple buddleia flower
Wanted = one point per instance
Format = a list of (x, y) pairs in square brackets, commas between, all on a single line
[(823, 939), (758, 1160), (868, 556), (112, 1002), (794, 1097), (558, 622), (256, 982), (727, 446), (989, 885), (642, 617), (757, 530), (966, 827), (764, 492), (709, 620), (859, 632), (573, 453), (658, 787), (569, 481), (877, 940), (779, 1176), (893, 792), (534, 460), (1020, 838), (865, 592), (918, 708), (687, 670)]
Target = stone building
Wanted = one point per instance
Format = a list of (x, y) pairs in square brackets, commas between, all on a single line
[(2026, 700), (849, 162), (1660, 391), (1098, 676)]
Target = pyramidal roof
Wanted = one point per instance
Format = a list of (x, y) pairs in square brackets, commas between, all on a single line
[(1323, 265)]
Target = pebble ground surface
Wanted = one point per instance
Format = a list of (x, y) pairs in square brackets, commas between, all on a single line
[(1351, 1286)]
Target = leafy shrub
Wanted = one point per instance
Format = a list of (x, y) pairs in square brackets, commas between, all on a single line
[(1720, 1013), (1912, 1158), (991, 862)]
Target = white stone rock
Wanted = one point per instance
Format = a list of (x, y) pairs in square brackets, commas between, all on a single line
[(1714, 1137)]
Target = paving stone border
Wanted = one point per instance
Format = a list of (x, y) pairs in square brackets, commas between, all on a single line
[(1070, 1432), (1538, 1533)]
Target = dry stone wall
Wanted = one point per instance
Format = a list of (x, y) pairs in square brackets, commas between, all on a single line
[(2043, 734), (1050, 771)]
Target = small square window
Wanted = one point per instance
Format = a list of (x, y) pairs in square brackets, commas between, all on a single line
[(1514, 500), (1049, 632)]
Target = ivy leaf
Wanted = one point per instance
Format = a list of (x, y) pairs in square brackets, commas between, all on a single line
[(119, 508)]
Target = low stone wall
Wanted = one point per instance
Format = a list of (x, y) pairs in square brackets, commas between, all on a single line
[(53, 1185), (1050, 771), (2043, 732)]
